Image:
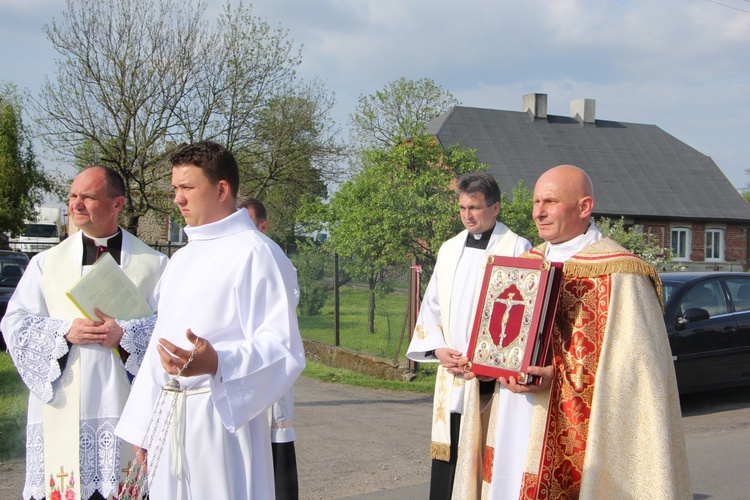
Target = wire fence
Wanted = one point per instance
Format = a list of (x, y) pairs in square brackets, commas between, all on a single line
[(385, 334), (374, 320)]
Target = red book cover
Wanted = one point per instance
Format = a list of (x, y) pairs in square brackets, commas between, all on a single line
[(514, 318)]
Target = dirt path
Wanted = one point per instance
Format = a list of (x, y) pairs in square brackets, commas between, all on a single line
[(350, 441)]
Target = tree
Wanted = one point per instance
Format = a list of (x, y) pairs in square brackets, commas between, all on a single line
[(398, 112), (22, 181), (137, 77), (517, 214), (401, 205), (294, 152), (311, 267)]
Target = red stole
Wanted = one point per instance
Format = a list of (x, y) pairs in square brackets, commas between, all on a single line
[(576, 344)]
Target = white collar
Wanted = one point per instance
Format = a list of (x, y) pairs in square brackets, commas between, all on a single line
[(560, 252), (101, 241)]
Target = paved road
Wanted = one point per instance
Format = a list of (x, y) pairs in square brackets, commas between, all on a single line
[(353, 441), (382, 443), (373, 444)]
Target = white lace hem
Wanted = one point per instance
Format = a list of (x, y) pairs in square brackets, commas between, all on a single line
[(99, 455)]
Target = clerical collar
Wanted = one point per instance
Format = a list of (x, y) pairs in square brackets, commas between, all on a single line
[(561, 252), (479, 241), (95, 247), (231, 224)]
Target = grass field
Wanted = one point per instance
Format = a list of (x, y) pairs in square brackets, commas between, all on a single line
[(386, 341), (13, 399)]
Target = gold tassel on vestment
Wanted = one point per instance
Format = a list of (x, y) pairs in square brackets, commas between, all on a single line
[(603, 258)]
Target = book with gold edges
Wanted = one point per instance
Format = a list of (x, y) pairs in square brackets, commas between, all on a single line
[(515, 315)]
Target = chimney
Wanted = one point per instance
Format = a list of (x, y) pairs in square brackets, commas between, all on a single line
[(583, 110), (536, 104)]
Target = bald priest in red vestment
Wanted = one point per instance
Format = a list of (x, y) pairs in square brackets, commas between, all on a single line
[(605, 422)]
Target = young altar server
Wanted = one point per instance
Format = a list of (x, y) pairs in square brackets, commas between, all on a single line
[(227, 324)]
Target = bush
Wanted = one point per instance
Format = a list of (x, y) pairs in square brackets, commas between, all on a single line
[(311, 263), (635, 241)]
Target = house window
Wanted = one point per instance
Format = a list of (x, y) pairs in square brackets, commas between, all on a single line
[(714, 245), (680, 239)]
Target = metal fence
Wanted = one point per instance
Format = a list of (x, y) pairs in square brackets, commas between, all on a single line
[(31, 247), (351, 315), (167, 248)]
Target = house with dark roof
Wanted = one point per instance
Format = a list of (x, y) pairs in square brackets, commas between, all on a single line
[(659, 184)]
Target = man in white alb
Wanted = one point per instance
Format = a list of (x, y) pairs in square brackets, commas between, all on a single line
[(224, 302), (77, 370), (442, 331), (282, 411)]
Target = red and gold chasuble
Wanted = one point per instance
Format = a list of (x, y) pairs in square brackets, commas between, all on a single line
[(609, 316), (576, 344)]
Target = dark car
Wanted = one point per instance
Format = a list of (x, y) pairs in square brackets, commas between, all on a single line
[(12, 266), (708, 323)]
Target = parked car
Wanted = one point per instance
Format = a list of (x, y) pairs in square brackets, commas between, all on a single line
[(707, 315), (12, 266)]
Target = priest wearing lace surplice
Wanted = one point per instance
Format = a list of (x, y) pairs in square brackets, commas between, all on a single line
[(78, 370)]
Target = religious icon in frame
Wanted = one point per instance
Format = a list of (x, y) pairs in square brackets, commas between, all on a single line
[(514, 318)]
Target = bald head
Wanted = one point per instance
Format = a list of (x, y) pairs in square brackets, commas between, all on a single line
[(563, 202)]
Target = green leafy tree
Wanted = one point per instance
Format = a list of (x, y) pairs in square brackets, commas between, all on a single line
[(517, 214), (136, 77), (360, 234), (293, 155), (22, 181), (311, 266), (635, 241), (398, 112), (401, 205)]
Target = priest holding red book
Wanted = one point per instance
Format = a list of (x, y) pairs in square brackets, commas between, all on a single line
[(605, 422)]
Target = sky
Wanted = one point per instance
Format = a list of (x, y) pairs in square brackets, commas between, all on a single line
[(683, 65)]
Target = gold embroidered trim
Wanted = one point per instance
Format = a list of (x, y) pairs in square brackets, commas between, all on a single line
[(621, 262), (440, 451), (602, 258)]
